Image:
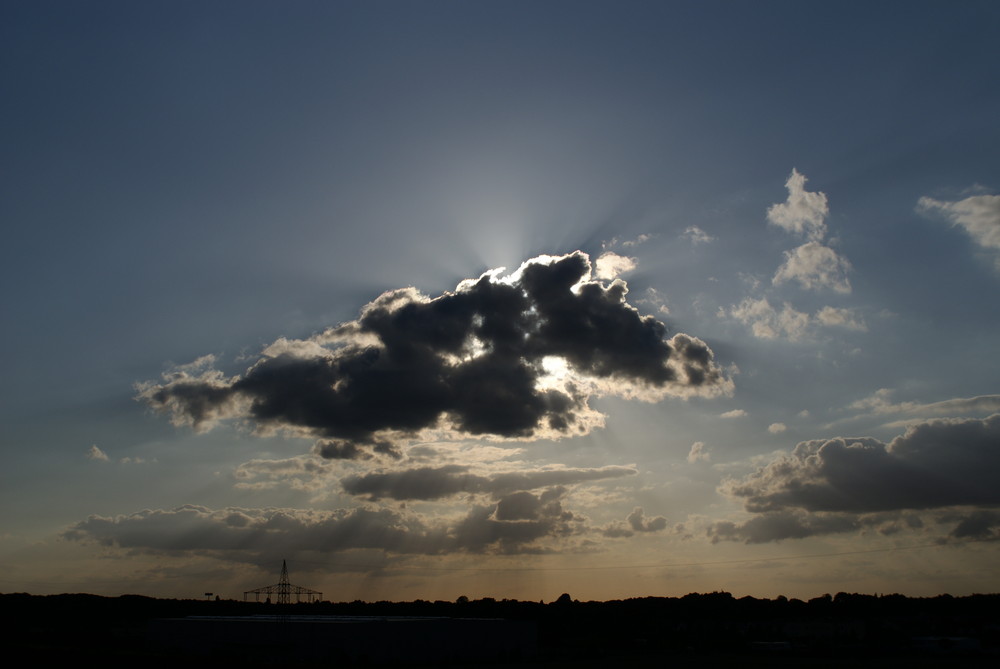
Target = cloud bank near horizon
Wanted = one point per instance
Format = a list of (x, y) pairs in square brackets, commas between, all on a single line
[(948, 466)]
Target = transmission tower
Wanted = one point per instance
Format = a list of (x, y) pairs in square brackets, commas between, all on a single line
[(284, 590)]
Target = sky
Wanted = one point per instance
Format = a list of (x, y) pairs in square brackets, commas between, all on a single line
[(500, 299)]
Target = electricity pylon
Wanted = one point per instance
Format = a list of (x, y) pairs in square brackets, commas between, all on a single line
[(284, 590)]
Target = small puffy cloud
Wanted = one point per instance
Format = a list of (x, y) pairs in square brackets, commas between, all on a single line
[(814, 267), (696, 235), (641, 239), (766, 322), (735, 413), (476, 362), (978, 215), (617, 530), (95, 453), (610, 265), (803, 213), (776, 428), (698, 453), (636, 521), (842, 318)]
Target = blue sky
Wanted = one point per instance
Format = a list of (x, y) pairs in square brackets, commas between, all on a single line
[(807, 191)]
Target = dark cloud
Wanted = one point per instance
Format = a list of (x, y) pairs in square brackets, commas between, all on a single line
[(780, 525), (844, 484), (638, 522), (342, 449), (935, 464), (515, 524), (799, 524), (635, 521), (978, 524), (518, 506), (471, 362), (425, 483), (248, 534)]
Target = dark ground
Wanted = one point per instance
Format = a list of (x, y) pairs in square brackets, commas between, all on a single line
[(703, 630)]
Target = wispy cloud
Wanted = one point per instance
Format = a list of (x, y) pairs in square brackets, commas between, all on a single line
[(978, 215), (843, 318), (696, 235), (95, 453), (880, 403)]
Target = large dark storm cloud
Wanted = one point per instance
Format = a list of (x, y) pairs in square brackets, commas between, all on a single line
[(471, 362), (841, 484)]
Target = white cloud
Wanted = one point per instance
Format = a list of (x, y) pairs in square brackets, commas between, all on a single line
[(696, 235), (698, 453), (768, 323), (735, 413), (815, 266), (803, 213), (776, 428), (880, 403), (641, 239), (94, 453), (843, 318), (978, 215), (609, 265)]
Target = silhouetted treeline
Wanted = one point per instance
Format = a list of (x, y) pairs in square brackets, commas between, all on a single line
[(569, 629)]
